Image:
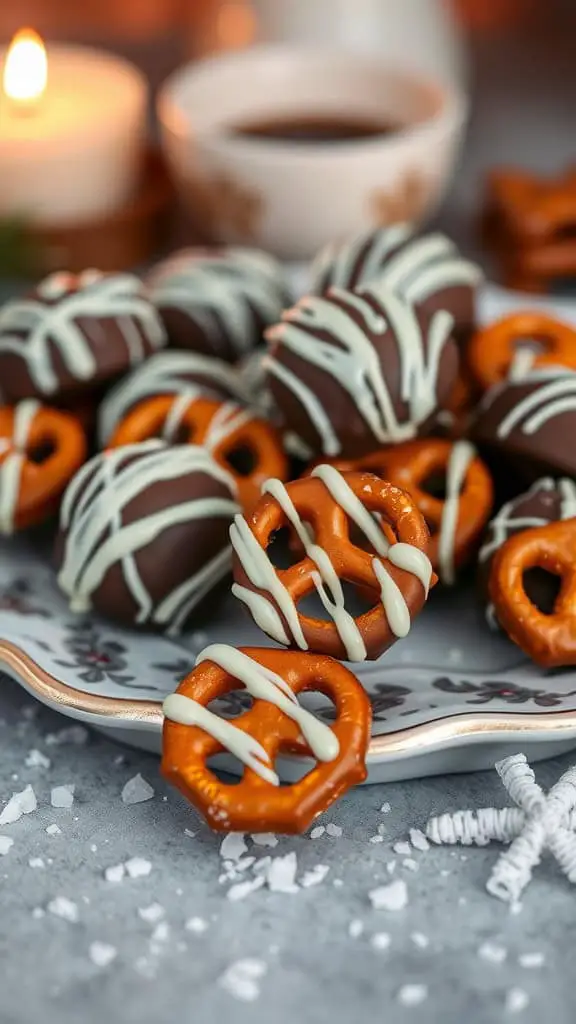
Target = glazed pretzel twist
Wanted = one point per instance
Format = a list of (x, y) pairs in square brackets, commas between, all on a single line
[(493, 353), (395, 570), (31, 486), (276, 724), (223, 427), (550, 640)]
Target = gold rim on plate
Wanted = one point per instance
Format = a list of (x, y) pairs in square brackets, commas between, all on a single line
[(412, 740)]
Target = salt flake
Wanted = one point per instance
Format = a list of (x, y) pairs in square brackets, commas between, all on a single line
[(6, 844), (115, 873), (281, 874), (386, 808), (62, 907), (402, 849), (36, 759), (516, 1000), (333, 830), (36, 862), (420, 941), (531, 960), (243, 889), (137, 790), (410, 864), (380, 941), (62, 796), (54, 830), (19, 803), (155, 912), (102, 954), (355, 929), (492, 952), (233, 846), (138, 867), (412, 995), (418, 840), (241, 979), (390, 897), (265, 839), (197, 925), (76, 735), (315, 875), (317, 832)]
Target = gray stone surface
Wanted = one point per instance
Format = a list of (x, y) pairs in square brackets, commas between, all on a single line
[(316, 972)]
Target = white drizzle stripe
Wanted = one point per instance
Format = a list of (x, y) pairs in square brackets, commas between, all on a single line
[(28, 328), (261, 572), (462, 454), (264, 684), (186, 711), (176, 414), (310, 402), (225, 422), (353, 362), (11, 467), (168, 373), (96, 539), (392, 258), (221, 294), (506, 523), (556, 393)]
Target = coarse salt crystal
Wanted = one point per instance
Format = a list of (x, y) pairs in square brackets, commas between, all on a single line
[(62, 796), (386, 808), (155, 912), (137, 790), (265, 839), (161, 932), (241, 979), (6, 844), (412, 995), (376, 839), (281, 874), (402, 849), (115, 873), (333, 830), (390, 897), (420, 940), (36, 759), (233, 846), (36, 862), (243, 889), (317, 831), (62, 907), (315, 875), (188, 832), (355, 929), (197, 925), (19, 803), (516, 1000), (531, 960), (54, 830), (410, 864), (391, 867), (102, 954), (138, 867), (418, 840), (380, 940), (492, 952), (76, 735)]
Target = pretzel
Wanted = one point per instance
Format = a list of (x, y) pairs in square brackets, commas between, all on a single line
[(494, 353), (550, 640), (226, 429), (276, 724), (40, 450), (395, 570)]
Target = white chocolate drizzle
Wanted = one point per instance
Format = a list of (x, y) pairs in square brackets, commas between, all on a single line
[(11, 466), (185, 375), (506, 522), (96, 538), (462, 454), (30, 328), (261, 573), (262, 684), (223, 294), (554, 394), (351, 359), (393, 257)]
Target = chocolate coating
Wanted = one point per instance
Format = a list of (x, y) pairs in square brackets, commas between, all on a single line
[(144, 533), (73, 333), (532, 422), (427, 270), (351, 371), (218, 301)]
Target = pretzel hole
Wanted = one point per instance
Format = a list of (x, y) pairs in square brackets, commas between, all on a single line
[(298, 769), (183, 433), (242, 459), (284, 548), (357, 600), (232, 704), (542, 588), (434, 484), (226, 767), (41, 451), (565, 232)]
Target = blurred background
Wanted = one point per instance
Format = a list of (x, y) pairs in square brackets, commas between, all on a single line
[(516, 58)]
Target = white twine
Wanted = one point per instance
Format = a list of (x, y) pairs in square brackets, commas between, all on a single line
[(538, 822)]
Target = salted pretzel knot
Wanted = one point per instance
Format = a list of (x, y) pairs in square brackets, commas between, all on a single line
[(276, 724), (494, 352), (394, 569), (550, 640), (241, 442), (40, 450)]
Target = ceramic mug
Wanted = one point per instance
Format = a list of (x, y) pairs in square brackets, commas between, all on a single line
[(290, 197)]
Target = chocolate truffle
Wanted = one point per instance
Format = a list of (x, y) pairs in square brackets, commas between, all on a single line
[(218, 301), (427, 270), (350, 371), (144, 533), (531, 422), (181, 374), (547, 501), (73, 333)]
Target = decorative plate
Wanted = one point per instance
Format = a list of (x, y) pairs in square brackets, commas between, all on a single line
[(452, 697)]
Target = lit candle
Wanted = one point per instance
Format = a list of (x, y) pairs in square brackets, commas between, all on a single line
[(72, 128)]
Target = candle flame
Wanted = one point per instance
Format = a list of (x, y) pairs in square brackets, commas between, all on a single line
[(25, 67)]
